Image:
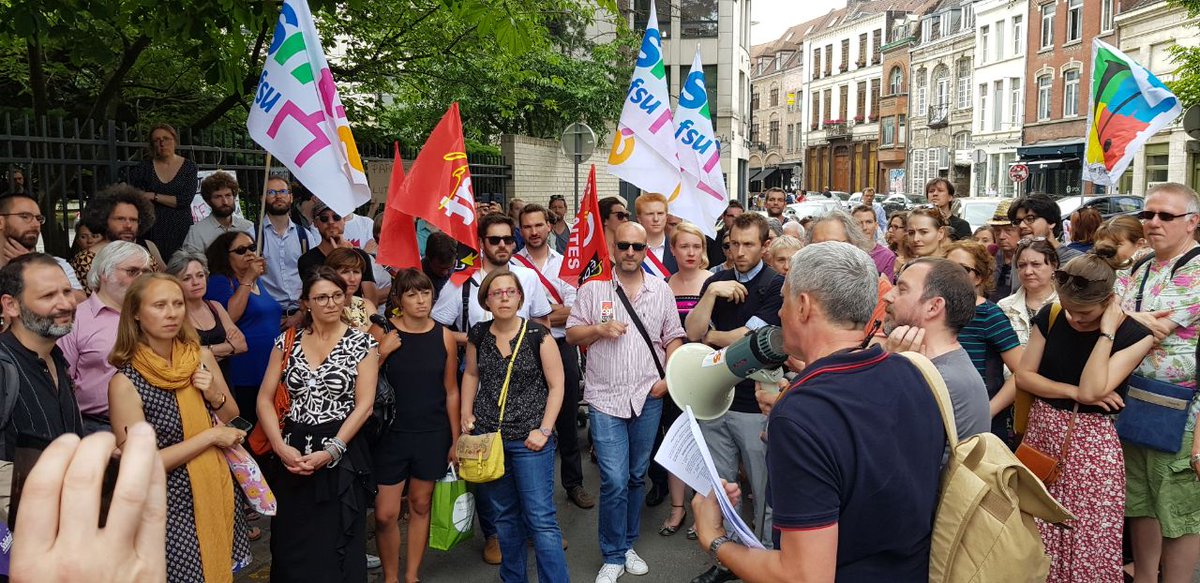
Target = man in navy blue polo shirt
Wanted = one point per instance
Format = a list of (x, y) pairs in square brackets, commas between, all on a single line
[(732, 303), (855, 446)]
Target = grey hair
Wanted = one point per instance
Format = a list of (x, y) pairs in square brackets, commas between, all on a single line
[(182, 258), (840, 277), (1193, 200), (110, 256), (798, 228), (853, 231), (775, 227)]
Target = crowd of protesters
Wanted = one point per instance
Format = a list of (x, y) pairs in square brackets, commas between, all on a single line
[(199, 331)]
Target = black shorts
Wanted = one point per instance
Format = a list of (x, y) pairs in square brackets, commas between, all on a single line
[(422, 455)]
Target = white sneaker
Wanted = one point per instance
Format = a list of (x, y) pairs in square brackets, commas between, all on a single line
[(634, 564), (609, 573), (373, 562)]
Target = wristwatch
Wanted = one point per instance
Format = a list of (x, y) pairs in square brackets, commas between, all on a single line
[(1110, 337), (546, 432), (716, 544)]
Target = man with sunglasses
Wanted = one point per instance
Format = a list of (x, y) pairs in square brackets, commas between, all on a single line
[(1037, 217), (1161, 294), (457, 309), (21, 222), (733, 303), (624, 388), (332, 227)]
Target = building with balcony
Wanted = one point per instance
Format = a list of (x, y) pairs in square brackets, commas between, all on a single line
[(1000, 44), (721, 28), (1148, 29), (776, 119), (1058, 65), (893, 106), (942, 97), (845, 64)]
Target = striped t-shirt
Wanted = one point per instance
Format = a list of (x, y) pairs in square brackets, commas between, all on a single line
[(985, 338)]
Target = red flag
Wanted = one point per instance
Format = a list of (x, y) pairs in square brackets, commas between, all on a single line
[(438, 189), (587, 256), (398, 238)]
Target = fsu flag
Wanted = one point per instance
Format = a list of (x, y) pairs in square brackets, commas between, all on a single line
[(587, 256), (1128, 106), (438, 189), (398, 238)]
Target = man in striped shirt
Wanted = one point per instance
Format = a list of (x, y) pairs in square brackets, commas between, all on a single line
[(624, 388)]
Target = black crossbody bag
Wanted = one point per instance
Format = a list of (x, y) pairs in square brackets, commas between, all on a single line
[(662, 374)]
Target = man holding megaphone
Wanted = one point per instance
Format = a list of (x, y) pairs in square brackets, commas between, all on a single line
[(630, 327), (732, 303)]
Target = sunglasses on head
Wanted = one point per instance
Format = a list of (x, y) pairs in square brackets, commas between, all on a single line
[(244, 249), (1027, 241), (1162, 215), (1064, 279), (496, 240), (329, 218), (625, 245)]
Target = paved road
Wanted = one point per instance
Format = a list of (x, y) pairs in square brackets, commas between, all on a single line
[(671, 559)]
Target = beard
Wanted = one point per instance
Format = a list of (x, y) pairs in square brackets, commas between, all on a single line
[(26, 240), (277, 210), (44, 326), (222, 212)]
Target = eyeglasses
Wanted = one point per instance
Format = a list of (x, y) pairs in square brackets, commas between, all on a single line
[(555, 197), (496, 240), (1163, 216), (970, 269), (244, 249), (1063, 279), (283, 192), (28, 217), (135, 272), (509, 292), (625, 245), (329, 218), (621, 215), (324, 299), (1028, 219)]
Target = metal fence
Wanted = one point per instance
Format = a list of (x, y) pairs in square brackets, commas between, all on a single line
[(65, 161)]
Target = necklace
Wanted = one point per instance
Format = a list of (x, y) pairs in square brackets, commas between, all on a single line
[(1033, 311)]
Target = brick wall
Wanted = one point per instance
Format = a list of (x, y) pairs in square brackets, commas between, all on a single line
[(540, 169)]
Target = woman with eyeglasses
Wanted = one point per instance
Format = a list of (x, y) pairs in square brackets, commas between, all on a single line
[(1081, 351), (165, 378), (235, 270), (523, 499), (927, 232), (167, 181), (988, 338), (321, 476), (349, 264)]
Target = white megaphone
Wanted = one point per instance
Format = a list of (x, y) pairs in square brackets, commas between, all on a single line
[(703, 378)]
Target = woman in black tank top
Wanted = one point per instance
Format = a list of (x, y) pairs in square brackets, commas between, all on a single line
[(212, 323), (420, 360)]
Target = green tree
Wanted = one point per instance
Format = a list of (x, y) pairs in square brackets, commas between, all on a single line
[(1187, 77)]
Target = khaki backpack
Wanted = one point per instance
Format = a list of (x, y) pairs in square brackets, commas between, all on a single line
[(984, 531)]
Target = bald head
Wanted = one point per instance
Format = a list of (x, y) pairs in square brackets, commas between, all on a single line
[(631, 232)]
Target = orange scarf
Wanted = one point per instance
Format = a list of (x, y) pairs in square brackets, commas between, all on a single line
[(212, 485)]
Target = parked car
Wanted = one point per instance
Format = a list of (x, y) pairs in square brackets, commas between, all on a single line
[(903, 202), (977, 210), (1109, 205), (811, 207)]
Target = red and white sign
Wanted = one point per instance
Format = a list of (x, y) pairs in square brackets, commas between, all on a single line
[(1018, 172)]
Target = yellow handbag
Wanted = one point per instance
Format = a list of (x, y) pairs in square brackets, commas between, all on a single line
[(481, 457)]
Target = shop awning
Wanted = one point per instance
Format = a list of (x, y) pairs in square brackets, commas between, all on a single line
[(763, 174), (1048, 162)]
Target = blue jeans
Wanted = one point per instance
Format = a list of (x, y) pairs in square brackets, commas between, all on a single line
[(523, 508), (623, 449)]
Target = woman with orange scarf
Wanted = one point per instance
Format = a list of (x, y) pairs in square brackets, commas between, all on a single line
[(166, 379)]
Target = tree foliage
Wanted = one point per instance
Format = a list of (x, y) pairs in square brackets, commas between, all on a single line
[(516, 65), (1186, 85)]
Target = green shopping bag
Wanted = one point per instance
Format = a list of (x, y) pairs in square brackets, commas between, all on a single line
[(452, 515)]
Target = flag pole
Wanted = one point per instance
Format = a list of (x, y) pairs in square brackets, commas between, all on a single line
[(262, 206)]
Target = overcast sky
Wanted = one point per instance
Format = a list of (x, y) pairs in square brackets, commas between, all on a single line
[(776, 16)]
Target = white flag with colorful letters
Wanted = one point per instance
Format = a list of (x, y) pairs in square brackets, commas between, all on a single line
[(298, 117), (643, 151), (702, 196)]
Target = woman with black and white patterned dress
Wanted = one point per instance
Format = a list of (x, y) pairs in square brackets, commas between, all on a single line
[(322, 476)]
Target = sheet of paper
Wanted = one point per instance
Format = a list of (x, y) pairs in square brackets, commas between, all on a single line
[(684, 453)]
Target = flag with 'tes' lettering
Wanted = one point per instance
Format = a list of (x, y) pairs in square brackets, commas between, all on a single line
[(586, 257)]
